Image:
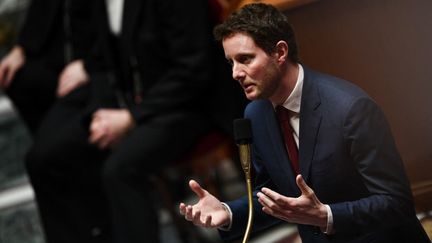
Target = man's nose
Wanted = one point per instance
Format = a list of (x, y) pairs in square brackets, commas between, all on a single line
[(237, 72)]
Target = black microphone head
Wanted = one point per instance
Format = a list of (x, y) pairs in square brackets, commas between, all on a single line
[(242, 131)]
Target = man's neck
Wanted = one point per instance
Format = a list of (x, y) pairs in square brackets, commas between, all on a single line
[(288, 81)]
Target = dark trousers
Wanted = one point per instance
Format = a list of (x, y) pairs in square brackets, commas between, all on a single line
[(89, 195), (32, 91)]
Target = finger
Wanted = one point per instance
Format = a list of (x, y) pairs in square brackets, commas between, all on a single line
[(275, 211), (182, 208), (304, 188), (276, 197), (272, 208), (262, 202), (268, 211), (6, 78), (197, 218), (279, 215), (60, 87), (94, 125), (70, 87), (9, 76), (96, 135), (199, 191), (108, 138), (208, 221), (188, 214), (66, 87), (92, 137), (105, 139), (95, 139), (266, 201), (93, 130), (103, 143), (267, 208)]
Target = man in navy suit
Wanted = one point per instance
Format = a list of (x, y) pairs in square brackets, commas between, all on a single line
[(349, 184)]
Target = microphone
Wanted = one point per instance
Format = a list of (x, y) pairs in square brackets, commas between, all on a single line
[(243, 138)]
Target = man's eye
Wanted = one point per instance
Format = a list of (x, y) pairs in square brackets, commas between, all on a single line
[(245, 59)]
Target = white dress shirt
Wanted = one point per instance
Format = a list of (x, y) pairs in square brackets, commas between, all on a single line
[(115, 15)]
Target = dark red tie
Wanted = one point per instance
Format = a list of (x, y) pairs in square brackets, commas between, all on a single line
[(283, 116)]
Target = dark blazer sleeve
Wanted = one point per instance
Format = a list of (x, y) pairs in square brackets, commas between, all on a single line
[(374, 153), (38, 25)]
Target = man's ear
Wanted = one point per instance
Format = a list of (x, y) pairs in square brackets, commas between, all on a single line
[(282, 51)]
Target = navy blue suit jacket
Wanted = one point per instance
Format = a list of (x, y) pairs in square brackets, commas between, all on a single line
[(347, 156)]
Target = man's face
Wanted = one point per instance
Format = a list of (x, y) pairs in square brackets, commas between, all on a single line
[(257, 72)]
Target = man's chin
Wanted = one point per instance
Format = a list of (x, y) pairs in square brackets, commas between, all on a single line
[(252, 96)]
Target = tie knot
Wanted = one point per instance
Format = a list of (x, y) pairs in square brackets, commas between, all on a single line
[(282, 113)]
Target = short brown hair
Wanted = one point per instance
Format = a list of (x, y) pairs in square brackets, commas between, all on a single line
[(264, 24)]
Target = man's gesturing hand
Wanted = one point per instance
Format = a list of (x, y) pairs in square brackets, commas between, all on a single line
[(306, 209), (208, 212)]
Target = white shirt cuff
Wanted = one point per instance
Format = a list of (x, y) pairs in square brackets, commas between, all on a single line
[(329, 227), (227, 227)]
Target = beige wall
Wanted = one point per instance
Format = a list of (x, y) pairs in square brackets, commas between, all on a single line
[(385, 47)]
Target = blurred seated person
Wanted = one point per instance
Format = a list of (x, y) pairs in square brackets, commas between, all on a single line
[(55, 36), (152, 80)]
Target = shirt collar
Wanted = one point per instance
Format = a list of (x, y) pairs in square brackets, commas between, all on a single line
[(293, 101)]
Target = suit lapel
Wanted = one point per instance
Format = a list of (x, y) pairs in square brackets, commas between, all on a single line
[(310, 120)]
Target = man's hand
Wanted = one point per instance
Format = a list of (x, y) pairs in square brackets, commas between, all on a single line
[(10, 65), (306, 209), (208, 212), (72, 76), (109, 126)]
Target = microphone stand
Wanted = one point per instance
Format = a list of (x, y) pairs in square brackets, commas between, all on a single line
[(243, 137), (244, 151)]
